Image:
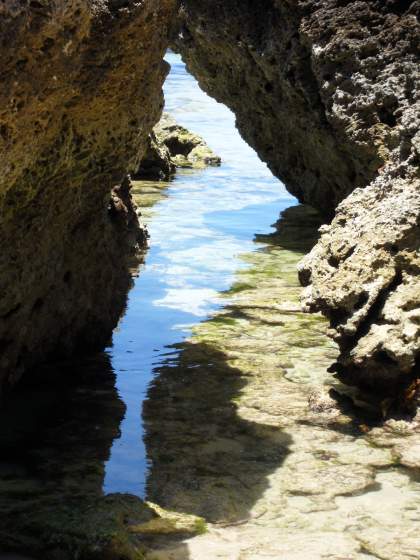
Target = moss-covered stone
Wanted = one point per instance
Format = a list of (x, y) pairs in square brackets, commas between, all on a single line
[(81, 91), (169, 522), (172, 146)]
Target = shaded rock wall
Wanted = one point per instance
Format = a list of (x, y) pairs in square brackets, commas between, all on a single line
[(81, 90), (328, 94)]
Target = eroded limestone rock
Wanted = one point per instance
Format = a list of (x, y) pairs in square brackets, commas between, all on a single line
[(81, 90), (364, 275), (328, 94), (170, 146)]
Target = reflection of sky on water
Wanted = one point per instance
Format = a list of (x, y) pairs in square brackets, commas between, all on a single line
[(197, 233), (196, 301)]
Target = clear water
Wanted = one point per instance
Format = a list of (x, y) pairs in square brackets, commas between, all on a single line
[(66, 435), (198, 230)]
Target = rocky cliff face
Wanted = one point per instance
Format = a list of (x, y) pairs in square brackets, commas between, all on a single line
[(364, 276), (328, 94), (81, 90)]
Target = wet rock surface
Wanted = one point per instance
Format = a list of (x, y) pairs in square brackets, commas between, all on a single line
[(254, 450), (328, 95), (246, 428), (50, 496), (170, 146), (80, 94)]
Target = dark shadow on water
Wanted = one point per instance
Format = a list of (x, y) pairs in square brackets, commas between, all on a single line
[(296, 229), (206, 460), (56, 431)]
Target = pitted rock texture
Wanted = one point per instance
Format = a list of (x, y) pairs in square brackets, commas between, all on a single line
[(364, 275), (324, 91), (157, 161), (170, 146), (328, 94), (81, 90)]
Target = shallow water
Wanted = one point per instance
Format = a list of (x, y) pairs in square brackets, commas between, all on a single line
[(215, 398), (204, 220)]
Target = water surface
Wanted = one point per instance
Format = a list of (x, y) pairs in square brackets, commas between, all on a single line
[(203, 222), (243, 423)]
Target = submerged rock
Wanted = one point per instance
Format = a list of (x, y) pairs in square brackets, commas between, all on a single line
[(328, 95), (170, 146), (245, 427)]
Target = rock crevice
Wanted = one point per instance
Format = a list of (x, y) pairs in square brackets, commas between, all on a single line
[(326, 92)]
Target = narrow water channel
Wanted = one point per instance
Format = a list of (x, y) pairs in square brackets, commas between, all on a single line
[(215, 397), (202, 223)]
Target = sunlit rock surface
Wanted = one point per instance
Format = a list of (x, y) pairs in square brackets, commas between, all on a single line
[(364, 274), (81, 90), (170, 146), (328, 95)]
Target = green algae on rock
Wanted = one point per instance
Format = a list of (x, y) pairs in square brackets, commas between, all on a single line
[(245, 428), (328, 95), (171, 146), (166, 522)]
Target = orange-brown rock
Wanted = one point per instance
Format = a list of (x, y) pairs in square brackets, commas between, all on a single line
[(81, 90)]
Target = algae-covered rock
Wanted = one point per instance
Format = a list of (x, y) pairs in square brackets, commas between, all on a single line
[(157, 163), (171, 146), (56, 432), (166, 522), (87, 529), (111, 527)]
